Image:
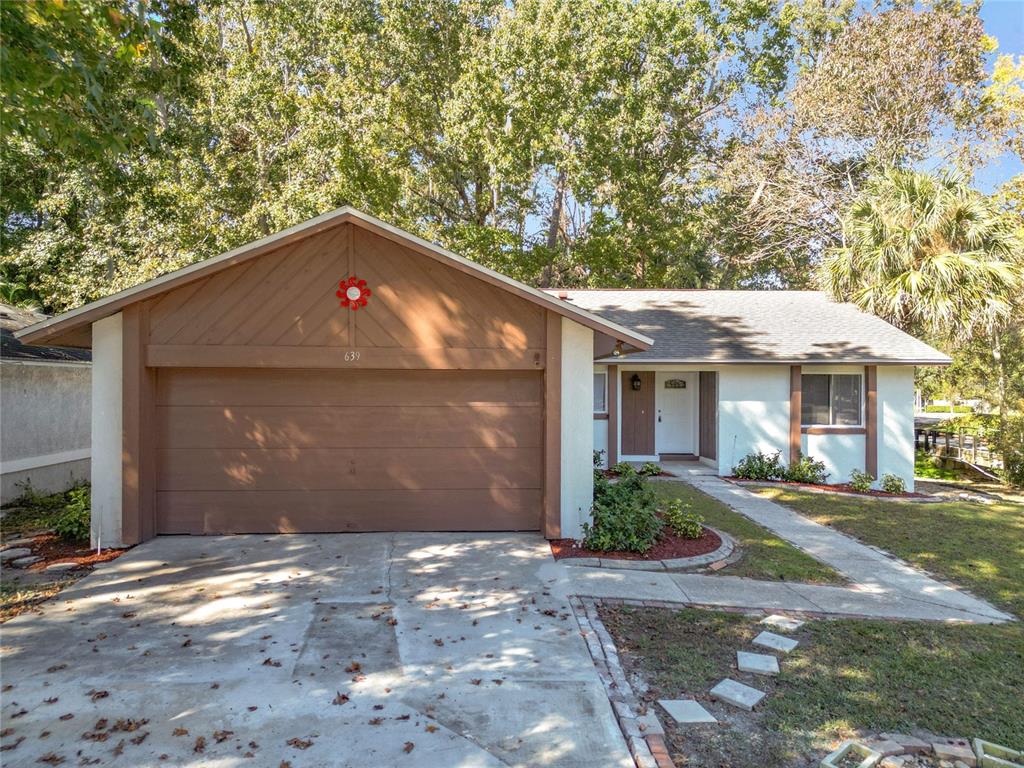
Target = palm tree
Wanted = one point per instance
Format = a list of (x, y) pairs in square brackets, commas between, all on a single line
[(928, 253)]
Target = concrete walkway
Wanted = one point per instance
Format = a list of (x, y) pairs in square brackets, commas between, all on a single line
[(883, 586)]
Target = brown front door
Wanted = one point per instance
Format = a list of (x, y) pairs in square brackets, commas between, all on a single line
[(708, 414), (638, 414)]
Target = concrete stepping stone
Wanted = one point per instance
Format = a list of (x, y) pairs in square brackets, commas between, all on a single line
[(61, 567), (687, 711), (24, 562), (757, 663), (737, 694), (784, 623), (14, 553), (776, 642)]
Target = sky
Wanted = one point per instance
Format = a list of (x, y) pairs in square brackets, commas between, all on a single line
[(1004, 20)]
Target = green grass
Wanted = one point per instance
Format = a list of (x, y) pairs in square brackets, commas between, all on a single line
[(926, 469), (979, 546), (765, 555), (846, 677)]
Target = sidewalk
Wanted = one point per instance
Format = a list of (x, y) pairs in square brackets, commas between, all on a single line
[(884, 587)]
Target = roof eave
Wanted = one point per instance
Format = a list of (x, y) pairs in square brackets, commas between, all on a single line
[(944, 361)]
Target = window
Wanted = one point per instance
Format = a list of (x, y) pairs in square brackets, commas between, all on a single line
[(830, 399), (600, 393)]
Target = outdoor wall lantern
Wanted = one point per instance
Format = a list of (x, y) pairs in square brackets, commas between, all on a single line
[(635, 382)]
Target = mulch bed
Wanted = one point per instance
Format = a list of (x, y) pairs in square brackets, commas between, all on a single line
[(613, 475), (669, 547), (54, 549), (836, 487)]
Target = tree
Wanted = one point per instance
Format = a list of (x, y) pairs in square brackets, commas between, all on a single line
[(931, 255)]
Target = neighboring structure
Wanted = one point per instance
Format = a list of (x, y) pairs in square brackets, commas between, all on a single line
[(736, 372), (344, 375), (44, 411)]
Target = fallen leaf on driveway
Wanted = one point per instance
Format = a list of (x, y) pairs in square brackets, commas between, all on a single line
[(377, 721), (12, 745), (355, 666), (68, 716), (57, 668), (409, 746), (341, 698), (476, 681), (300, 743), (200, 745), (51, 759), (181, 731), (97, 695), (431, 728), (222, 735), (53, 700), (269, 662)]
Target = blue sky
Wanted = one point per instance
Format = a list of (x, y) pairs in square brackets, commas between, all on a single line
[(1004, 20)]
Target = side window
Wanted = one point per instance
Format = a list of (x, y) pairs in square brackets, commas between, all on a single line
[(831, 399), (600, 393)]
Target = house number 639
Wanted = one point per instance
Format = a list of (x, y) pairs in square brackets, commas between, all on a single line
[(351, 356)]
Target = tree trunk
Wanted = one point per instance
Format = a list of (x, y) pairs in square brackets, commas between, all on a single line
[(554, 229)]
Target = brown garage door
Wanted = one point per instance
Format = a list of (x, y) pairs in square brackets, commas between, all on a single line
[(258, 450)]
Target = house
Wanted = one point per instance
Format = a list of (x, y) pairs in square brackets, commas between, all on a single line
[(344, 375), (44, 399), (732, 373)]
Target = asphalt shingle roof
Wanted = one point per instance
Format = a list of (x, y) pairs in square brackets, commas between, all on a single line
[(15, 318), (754, 326)]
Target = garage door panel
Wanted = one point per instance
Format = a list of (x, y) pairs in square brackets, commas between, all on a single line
[(216, 469), (300, 426), (211, 512), (265, 450), (252, 387)]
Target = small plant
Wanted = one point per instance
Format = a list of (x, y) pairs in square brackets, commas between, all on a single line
[(650, 469), (598, 458), (625, 516), (759, 466), (73, 523), (623, 469), (861, 481), (682, 520), (893, 483), (805, 470)]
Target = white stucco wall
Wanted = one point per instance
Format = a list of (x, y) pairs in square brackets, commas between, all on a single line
[(841, 454), (753, 412), (896, 422), (44, 441), (106, 431), (577, 426)]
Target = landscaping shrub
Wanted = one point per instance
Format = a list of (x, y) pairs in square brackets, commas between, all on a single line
[(893, 483), (73, 523), (760, 466), (623, 469), (682, 520), (861, 481), (598, 458), (625, 516), (650, 469), (806, 470), (1011, 445)]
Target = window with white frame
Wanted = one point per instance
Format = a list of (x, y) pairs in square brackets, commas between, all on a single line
[(601, 392), (831, 399)]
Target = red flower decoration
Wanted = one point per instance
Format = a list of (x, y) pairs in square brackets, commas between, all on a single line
[(353, 292)]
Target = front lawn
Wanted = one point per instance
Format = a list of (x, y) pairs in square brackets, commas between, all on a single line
[(765, 555), (978, 546), (847, 677)]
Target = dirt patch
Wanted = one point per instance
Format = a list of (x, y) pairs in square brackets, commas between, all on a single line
[(668, 547)]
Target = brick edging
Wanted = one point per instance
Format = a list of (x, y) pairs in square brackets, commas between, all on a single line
[(724, 552), (639, 725)]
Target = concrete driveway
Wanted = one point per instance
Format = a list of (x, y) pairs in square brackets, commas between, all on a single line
[(341, 650)]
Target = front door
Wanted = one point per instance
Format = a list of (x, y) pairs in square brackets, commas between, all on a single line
[(675, 421), (638, 413)]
